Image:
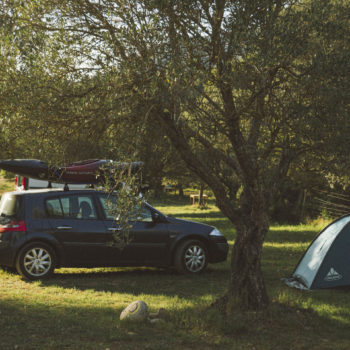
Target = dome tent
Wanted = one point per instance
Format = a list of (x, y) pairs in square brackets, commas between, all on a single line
[(326, 262)]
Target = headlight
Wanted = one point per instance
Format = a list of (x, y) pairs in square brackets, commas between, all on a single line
[(215, 232)]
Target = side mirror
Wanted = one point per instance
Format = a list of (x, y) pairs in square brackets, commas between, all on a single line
[(156, 217)]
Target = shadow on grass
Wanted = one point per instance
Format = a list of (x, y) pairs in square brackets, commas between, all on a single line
[(27, 324), (277, 260), (87, 322), (142, 281)]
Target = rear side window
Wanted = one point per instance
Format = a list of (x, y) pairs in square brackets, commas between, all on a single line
[(54, 208), (10, 205), (71, 207)]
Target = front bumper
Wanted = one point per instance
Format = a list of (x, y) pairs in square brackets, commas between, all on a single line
[(218, 249)]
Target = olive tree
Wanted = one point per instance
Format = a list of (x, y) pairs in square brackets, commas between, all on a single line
[(233, 85)]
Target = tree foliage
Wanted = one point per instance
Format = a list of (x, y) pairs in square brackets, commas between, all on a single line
[(241, 88)]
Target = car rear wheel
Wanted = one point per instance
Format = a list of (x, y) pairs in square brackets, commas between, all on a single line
[(191, 257), (36, 261)]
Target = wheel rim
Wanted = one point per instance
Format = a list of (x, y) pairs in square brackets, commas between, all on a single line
[(37, 262), (194, 258)]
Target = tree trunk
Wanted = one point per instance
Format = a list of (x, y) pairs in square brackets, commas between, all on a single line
[(246, 282), (201, 192), (157, 187), (250, 218), (181, 190), (246, 287), (303, 205)]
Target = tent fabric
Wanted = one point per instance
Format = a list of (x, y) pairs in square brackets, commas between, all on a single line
[(291, 282), (326, 262)]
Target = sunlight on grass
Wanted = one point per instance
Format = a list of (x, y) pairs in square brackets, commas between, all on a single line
[(299, 228), (80, 308)]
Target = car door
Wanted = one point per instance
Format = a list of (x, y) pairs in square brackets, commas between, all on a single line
[(76, 224), (148, 238)]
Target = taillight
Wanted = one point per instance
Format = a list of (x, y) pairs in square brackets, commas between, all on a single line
[(13, 226), (24, 183), (16, 181)]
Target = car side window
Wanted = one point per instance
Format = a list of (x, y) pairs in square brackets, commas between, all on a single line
[(107, 203), (53, 208), (144, 215), (86, 208), (65, 203), (71, 207)]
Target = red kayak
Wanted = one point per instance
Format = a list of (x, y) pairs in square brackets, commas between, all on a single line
[(83, 172), (93, 171)]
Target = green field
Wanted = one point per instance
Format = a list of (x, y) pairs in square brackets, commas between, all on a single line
[(80, 308)]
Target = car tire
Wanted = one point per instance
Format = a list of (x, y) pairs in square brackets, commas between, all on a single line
[(191, 257), (36, 261)]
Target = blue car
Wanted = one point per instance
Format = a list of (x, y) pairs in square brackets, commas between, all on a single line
[(41, 230)]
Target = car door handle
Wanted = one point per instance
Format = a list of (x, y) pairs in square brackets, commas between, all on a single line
[(64, 227), (113, 229)]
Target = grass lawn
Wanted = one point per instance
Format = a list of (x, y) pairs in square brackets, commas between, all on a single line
[(80, 308)]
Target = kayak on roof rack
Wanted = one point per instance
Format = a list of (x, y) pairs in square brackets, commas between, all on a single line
[(92, 171)]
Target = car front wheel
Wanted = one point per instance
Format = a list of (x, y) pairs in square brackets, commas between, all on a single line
[(36, 261), (191, 257)]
